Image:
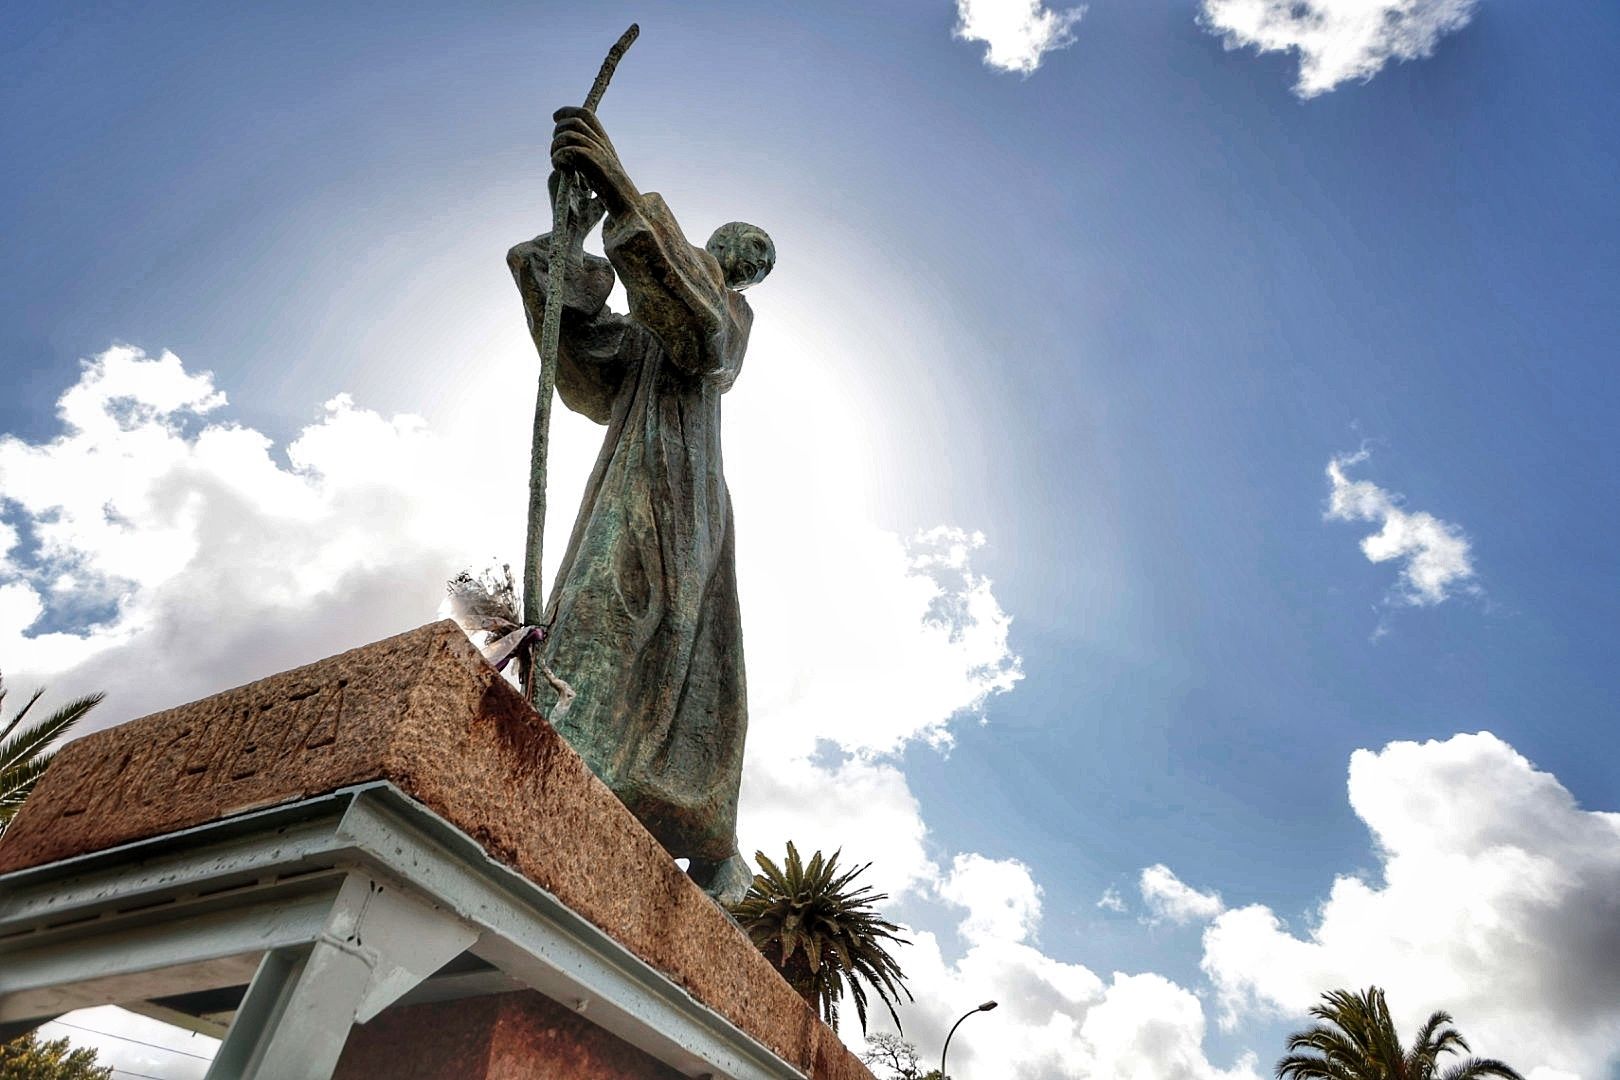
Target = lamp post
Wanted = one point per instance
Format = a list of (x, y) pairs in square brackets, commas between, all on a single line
[(986, 1007)]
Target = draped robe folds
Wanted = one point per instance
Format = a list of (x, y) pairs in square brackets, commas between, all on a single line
[(644, 617)]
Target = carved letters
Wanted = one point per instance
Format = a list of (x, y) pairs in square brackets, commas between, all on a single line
[(270, 731)]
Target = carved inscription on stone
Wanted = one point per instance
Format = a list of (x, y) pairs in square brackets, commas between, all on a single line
[(349, 719), (269, 730)]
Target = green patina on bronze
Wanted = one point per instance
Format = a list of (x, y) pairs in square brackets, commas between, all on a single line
[(643, 618)]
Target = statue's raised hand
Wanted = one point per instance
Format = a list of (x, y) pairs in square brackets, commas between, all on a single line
[(580, 143)]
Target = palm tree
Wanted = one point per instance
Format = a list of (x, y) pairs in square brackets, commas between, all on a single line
[(821, 934), (24, 755), (1356, 1040)]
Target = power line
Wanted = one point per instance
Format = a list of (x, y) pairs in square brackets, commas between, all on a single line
[(143, 1076), (138, 1042)]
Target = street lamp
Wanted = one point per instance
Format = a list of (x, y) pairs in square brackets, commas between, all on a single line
[(986, 1007)]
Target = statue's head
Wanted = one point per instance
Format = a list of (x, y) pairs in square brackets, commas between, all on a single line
[(745, 253)]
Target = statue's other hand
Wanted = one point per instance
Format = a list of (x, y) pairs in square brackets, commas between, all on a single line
[(579, 142), (592, 212), (587, 213)]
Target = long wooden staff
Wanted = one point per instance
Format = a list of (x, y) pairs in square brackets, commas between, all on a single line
[(571, 191)]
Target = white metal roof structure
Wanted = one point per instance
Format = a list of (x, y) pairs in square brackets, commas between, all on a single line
[(281, 928)]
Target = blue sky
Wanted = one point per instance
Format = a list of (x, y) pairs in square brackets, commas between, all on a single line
[(1117, 314)]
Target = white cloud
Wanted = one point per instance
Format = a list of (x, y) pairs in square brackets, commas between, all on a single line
[(928, 643), (1171, 900), (1337, 40), (8, 540), (20, 608), (203, 560), (1016, 33), (892, 638), (1147, 1027), (1111, 900), (1055, 1019), (859, 644), (1499, 902), (1001, 897), (1436, 557), (863, 808)]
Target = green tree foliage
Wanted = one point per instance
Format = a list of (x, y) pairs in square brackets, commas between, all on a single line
[(25, 751), (1355, 1039), (30, 1058), (822, 934)]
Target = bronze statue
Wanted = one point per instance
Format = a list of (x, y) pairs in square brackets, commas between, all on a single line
[(643, 621)]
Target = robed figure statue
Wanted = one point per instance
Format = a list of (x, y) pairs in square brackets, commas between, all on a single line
[(643, 620)]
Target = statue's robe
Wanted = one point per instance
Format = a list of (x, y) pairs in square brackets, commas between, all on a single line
[(644, 617)]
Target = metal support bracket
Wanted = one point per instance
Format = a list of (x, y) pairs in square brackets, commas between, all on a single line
[(376, 945)]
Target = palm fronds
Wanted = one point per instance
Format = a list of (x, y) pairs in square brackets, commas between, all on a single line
[(1355, 1039), (24, 751), (822, 934)]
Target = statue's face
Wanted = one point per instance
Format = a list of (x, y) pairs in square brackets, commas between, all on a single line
[(744, 252)]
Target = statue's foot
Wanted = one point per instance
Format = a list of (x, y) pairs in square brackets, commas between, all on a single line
[(726, 881)]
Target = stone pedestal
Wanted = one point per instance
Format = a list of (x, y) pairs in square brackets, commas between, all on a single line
[(390, 838), (519, 1036)]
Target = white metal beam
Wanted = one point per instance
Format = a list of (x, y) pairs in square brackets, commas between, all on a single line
[(257, 1016), (46, 1002), (202, 1025), (113, 961)]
